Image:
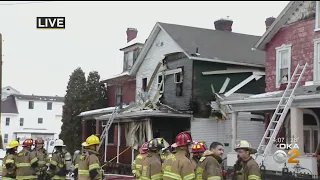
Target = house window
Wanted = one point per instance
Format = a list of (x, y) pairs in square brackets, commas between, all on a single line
[(283, 64), (128, 60), (160, 79), (7, 121), (144, 84), (5, 139), (118, 95), (125, 61), (31, 104), (111, 134), (49, 105), (178, 77), (316, 63), (21, 121), (40, 120), (317, 21)]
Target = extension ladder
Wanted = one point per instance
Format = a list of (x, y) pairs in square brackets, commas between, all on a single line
[(281, 112), (107, 127)]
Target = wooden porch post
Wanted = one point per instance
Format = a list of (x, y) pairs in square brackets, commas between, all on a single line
[(84, 130), (234, 129)]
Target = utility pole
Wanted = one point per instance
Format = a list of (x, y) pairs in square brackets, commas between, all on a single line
[(1, 140)]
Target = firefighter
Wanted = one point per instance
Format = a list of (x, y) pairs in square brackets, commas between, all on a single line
[(26, 162), (75, 161), (209, 164), (246, 168), (89, 165), (9, 167), (197, 150), (57, 168), (151, 167), (137, 163), (43, 158), (178, 165)]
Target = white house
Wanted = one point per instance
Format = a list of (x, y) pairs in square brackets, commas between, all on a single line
[(31, 116)]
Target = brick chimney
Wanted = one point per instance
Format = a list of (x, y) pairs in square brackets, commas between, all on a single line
[(269, 21), (131, 34), (223, 25)]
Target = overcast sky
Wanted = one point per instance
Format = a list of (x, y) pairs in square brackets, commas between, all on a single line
[(40, 61)]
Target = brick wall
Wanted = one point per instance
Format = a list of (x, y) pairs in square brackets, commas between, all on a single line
[(128, 93), (300, 35)]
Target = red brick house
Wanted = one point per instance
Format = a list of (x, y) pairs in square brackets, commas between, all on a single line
[(121, 90), (290, 39)]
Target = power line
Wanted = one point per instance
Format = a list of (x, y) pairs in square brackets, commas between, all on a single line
[(20, 3)]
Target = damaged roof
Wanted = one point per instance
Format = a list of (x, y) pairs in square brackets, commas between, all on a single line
[(216, 44), (9, 105), (39, 98)]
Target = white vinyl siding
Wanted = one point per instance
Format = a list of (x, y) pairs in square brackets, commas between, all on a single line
[(283, 64), (316, 63)]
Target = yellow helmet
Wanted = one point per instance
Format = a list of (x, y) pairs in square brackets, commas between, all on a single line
[(243, 144), (91, 140), (13, 144)]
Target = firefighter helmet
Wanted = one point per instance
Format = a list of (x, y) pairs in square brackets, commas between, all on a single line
[(59, 142), (13, 144), (39, 141), (183, 139), (27, 142), (198, 147), (155, 144), (243, 144), (144, 148), (91, 140)]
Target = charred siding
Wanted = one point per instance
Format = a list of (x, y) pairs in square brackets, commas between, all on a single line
[(170, 97)]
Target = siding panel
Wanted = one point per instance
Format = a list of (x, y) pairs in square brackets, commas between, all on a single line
[(150, 62)]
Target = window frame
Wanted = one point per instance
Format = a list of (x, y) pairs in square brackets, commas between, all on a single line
[(119, 95), (316, 62), (278, 62), (41, 120), (5, 138), (7, 120), (21, 120), (317, 18), (158, 83), (49, 106), (31, 106)]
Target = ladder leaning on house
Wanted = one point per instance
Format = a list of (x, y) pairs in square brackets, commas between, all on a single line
[(107, 126), (281, 111)]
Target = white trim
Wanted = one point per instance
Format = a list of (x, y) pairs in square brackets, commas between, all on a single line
[(316, 24), (316, 61), (278, 61), (224, 86), (224, 61), (175, 77), (229, 71), (160, 74), (243, 83), (173, 71)]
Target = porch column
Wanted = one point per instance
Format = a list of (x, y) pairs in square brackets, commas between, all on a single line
[(98, 127), (296, 120), (84, 130), (149, 130), (234, 129)]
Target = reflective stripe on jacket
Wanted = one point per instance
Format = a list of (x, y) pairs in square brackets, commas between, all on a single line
[(24, 161), (136, 165), (89, 162), (151, 167), (209, 167), (178, 166), (10, 173), (250, 170)]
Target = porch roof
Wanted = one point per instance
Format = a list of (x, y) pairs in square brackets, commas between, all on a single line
[(305, 97), (144, 114)]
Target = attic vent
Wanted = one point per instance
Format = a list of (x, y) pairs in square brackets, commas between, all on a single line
[(8, 89)]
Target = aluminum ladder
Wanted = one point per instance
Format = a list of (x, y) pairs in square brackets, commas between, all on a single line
[(107, 127), (281, 111)]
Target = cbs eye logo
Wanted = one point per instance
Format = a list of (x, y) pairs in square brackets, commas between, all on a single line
[(280, 156)]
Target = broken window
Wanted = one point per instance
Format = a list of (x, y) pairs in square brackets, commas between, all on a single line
[(118, 95), (178, 80), (160, 79), (144, 84), (283, 65)]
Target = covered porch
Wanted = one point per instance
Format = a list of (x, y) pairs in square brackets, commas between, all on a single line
[(302, 121)]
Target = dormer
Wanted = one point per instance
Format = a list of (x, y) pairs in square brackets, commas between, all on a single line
[(132, 49)]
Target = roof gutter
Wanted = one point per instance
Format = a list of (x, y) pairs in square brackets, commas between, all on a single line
[(261, 100), (225, 62)]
